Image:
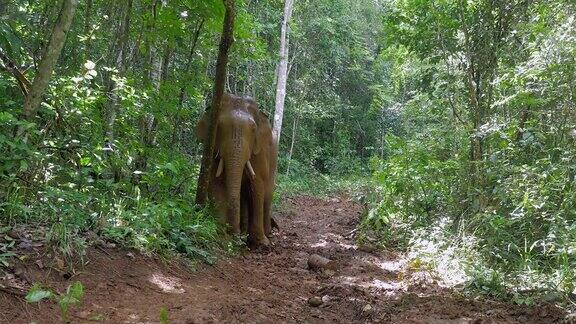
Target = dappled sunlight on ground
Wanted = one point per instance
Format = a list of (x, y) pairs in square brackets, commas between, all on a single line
[(391, 265), (334, 239), (321, 243), (375, 283), (358, 284), (167, 284)]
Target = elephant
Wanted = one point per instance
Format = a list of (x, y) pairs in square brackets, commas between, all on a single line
[(246, 159)]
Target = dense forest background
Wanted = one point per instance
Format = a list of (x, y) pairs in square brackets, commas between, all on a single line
[(455, 119)]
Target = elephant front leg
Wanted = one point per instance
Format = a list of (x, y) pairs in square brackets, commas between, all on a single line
[(257, 235)]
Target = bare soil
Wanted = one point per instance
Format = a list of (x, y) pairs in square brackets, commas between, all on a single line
[(274, 286)]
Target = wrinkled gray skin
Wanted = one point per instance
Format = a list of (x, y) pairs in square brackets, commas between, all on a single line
[(243, 181)]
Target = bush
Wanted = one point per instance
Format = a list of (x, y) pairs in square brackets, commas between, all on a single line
[(414, 185), (523, 235)]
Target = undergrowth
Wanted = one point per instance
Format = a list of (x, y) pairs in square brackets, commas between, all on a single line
[(157, 216), (519, 241), (320, 185)]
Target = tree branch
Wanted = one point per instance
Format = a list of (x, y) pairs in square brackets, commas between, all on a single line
[(11, 68)]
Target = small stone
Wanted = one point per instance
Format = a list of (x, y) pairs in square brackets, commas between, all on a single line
[(326, 299), (130, 255), (110, 245), (315, 301), (316, 261), (84, 314), (329, 273), (367, 309)]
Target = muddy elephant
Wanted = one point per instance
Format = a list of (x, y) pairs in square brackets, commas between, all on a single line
[(246, 158)]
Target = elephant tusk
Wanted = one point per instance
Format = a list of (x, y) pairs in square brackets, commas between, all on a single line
[(252, 173), (220, 167)]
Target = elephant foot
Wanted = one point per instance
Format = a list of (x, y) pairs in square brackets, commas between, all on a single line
[(261, 242), (270, 226)]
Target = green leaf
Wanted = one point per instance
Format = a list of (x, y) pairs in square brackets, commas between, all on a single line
[(37, 293), (171, 167), (76, 290), (7, 254), (85, 161), (163, 315), (23, 165), (6, 117)]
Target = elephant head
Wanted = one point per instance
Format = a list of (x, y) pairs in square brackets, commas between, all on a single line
[(237, 141)]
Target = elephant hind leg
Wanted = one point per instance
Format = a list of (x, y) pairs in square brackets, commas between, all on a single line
[(257, 234), (268, 215)]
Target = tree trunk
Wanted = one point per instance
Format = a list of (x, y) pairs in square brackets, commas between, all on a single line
[(119, 50), (282, 73), (294, 127), (88, 29), (119, 47), (177, 118), (48, 62), (221, 65), (154, 72)]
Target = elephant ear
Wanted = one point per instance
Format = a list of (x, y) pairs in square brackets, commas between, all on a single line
[(263, 131), (202, 128)]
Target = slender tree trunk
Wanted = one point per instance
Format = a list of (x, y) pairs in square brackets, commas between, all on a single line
[(48, 62), (219, 83), (168, 52), (282, 73), (294, 127), (153, 74), (119, 48), (88, 28), (181, 98)]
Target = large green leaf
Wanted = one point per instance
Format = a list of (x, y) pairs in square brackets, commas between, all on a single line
[(37, 293)]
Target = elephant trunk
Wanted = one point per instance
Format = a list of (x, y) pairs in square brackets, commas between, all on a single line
[(233, 169)]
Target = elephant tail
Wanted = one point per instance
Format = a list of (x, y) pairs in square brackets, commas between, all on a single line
[(274, 223)]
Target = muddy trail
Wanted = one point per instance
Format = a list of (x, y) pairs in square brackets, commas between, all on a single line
[(359, 285)]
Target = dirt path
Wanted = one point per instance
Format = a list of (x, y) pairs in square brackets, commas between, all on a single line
[(270, 287)]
